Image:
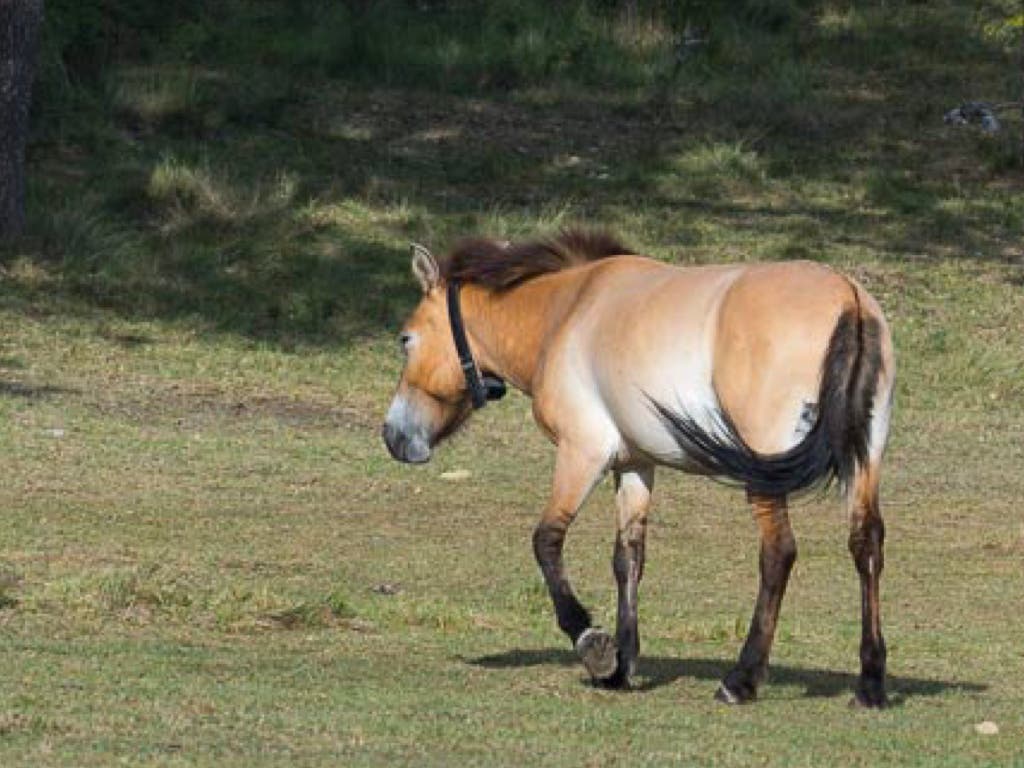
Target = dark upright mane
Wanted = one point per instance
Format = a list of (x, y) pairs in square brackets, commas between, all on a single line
[(501, 266)]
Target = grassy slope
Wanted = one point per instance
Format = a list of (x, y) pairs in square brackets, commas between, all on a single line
[(202, 529)]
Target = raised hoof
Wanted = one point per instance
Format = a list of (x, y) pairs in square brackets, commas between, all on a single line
[(598, 652), (869, 699), (727, 696)]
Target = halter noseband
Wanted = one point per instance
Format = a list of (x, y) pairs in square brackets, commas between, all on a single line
[(481, 388)]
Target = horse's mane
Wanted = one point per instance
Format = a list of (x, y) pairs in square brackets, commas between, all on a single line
[(501, 265)]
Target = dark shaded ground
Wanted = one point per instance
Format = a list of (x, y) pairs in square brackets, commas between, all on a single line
[(857, 109)]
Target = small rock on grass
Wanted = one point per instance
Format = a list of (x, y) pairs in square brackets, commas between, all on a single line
[(986, 728)]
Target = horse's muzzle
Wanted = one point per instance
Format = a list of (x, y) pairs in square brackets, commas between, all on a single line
[(411, 450)]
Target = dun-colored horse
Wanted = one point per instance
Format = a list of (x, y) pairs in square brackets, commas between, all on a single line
[(776, 377)]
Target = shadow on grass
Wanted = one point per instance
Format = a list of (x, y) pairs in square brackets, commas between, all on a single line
[(656, 671), (31, 391)]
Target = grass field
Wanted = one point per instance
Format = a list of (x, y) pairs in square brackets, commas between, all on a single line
[(207, 556)]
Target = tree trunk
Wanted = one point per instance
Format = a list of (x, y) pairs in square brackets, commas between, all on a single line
[(19, 41)]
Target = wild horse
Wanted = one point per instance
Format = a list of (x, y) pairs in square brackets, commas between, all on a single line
[(776, 377)]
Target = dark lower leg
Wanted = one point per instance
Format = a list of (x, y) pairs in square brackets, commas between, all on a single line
[(866, 545), (572, 617), (628, 564), (778, 553), (632, 498)]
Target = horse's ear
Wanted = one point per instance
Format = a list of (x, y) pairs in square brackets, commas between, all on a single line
[(424, 266)]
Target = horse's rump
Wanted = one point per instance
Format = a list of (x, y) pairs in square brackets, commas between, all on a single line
[(834, 445)]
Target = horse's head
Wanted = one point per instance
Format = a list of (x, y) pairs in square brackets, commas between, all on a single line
[(432, 400)]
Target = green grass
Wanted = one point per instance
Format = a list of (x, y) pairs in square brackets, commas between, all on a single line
[(208, 557)]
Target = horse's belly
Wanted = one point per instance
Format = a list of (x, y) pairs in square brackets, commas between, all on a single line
[(644, 436), (772, 416)]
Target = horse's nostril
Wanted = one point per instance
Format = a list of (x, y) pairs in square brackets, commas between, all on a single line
[(393, 439)]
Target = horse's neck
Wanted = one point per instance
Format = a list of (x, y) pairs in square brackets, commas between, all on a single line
[(509, 330)]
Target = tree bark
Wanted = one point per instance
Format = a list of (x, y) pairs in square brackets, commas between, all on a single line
[(19, 42)]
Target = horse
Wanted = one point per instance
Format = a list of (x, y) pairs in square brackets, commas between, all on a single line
[(775, 377)]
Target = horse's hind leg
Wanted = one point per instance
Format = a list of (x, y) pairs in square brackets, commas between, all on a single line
[(633, 500), (778, 553), (867, 536), (576, 473)]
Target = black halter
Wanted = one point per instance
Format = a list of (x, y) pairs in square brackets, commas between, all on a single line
[(481, 388)]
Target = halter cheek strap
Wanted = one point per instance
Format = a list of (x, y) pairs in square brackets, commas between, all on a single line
[(481, 388)]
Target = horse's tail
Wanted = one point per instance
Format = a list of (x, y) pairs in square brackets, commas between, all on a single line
[(837, 443)]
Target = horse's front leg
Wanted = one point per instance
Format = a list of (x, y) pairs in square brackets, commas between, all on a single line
[(778, 553), (576, 474), (633, 499)]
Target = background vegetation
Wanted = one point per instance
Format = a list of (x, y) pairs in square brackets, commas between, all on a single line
[(207, 556)]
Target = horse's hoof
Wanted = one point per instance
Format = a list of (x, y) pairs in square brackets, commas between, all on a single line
[(618, 681), (727, 696), (598, 652), (867, 699)]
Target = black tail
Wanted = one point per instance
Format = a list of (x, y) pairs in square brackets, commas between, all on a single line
[(835, 444)]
